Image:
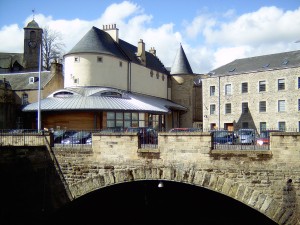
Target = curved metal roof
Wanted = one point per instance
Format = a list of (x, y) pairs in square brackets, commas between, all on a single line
[(85, 98)]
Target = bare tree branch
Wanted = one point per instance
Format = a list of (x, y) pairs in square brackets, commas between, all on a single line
[(53, 47)]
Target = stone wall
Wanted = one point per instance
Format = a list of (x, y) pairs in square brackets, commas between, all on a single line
[(268, 181)]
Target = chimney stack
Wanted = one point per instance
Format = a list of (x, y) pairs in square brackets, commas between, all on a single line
[(152, 51), (141, 54), (112, 30)]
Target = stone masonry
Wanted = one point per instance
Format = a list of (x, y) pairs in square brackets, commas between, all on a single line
[(267, 181)]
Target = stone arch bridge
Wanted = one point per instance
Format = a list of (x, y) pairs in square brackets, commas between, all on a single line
[(267, 181)]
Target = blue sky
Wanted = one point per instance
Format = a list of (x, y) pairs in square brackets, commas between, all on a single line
[(212, 33)]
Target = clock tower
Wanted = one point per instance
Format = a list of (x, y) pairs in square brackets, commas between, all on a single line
[(33, 35)]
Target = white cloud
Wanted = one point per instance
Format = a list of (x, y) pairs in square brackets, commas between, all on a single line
[(12, 36), (267, 25), (208, 41)]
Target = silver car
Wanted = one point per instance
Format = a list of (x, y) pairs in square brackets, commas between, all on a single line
[(246, 136)]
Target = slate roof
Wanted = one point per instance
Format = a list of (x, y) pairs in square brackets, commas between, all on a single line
[(90, 98), (99, 41), (33, 25), (20, 81), (8, 59), (259, 63), (181, 64)]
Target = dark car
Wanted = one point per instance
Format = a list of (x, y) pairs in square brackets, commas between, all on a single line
[(60, 135), (264, 137), (147, 135), (80, 137), (224, 137)]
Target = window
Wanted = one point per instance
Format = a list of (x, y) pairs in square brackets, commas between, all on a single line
[(281, 84), (212, 109), (281, 126), (228, 89), (262, 86), (245, 87), (124, 120), (298, 82), (262, 106), (157, 75), (120, 64), (24, 99), (77, 59), (281, 105), (228, 108), (212, 91), (245, 108), (99, 59), (262, 126), (32, 35), (298, 104)]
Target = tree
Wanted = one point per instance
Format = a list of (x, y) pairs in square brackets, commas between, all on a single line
[(52, 47)]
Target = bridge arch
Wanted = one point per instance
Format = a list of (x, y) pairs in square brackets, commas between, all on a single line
[(261, 202)]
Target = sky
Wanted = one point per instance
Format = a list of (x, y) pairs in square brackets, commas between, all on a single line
[(212, 33)]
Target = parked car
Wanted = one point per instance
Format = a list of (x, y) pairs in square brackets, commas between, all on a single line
[(89, 141), (223, 137), (59, 135), (246, 136), (185, 129), (264, 138), (78, 138), (147, 135)]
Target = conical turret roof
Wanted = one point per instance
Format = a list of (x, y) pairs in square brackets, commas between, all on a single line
[(181, 64), (97, 41)]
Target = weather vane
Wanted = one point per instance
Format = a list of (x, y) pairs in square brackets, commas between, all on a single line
[(33, 10)]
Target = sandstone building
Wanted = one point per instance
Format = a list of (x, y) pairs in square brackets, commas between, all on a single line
[(20, 78), (110, 83), (260, 92)]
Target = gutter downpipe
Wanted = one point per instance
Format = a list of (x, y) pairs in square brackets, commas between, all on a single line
[(219, 104)]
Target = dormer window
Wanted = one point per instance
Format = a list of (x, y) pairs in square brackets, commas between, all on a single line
[(32, 80), (111, 94), (63, 94)]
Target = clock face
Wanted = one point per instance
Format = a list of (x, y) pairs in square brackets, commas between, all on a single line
[(32, 44)]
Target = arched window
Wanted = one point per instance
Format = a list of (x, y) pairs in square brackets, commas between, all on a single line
[(32, 35)]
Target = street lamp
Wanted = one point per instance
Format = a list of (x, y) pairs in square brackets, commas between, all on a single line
[(39, 91)]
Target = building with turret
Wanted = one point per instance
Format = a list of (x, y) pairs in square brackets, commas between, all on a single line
[(110, 83)]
